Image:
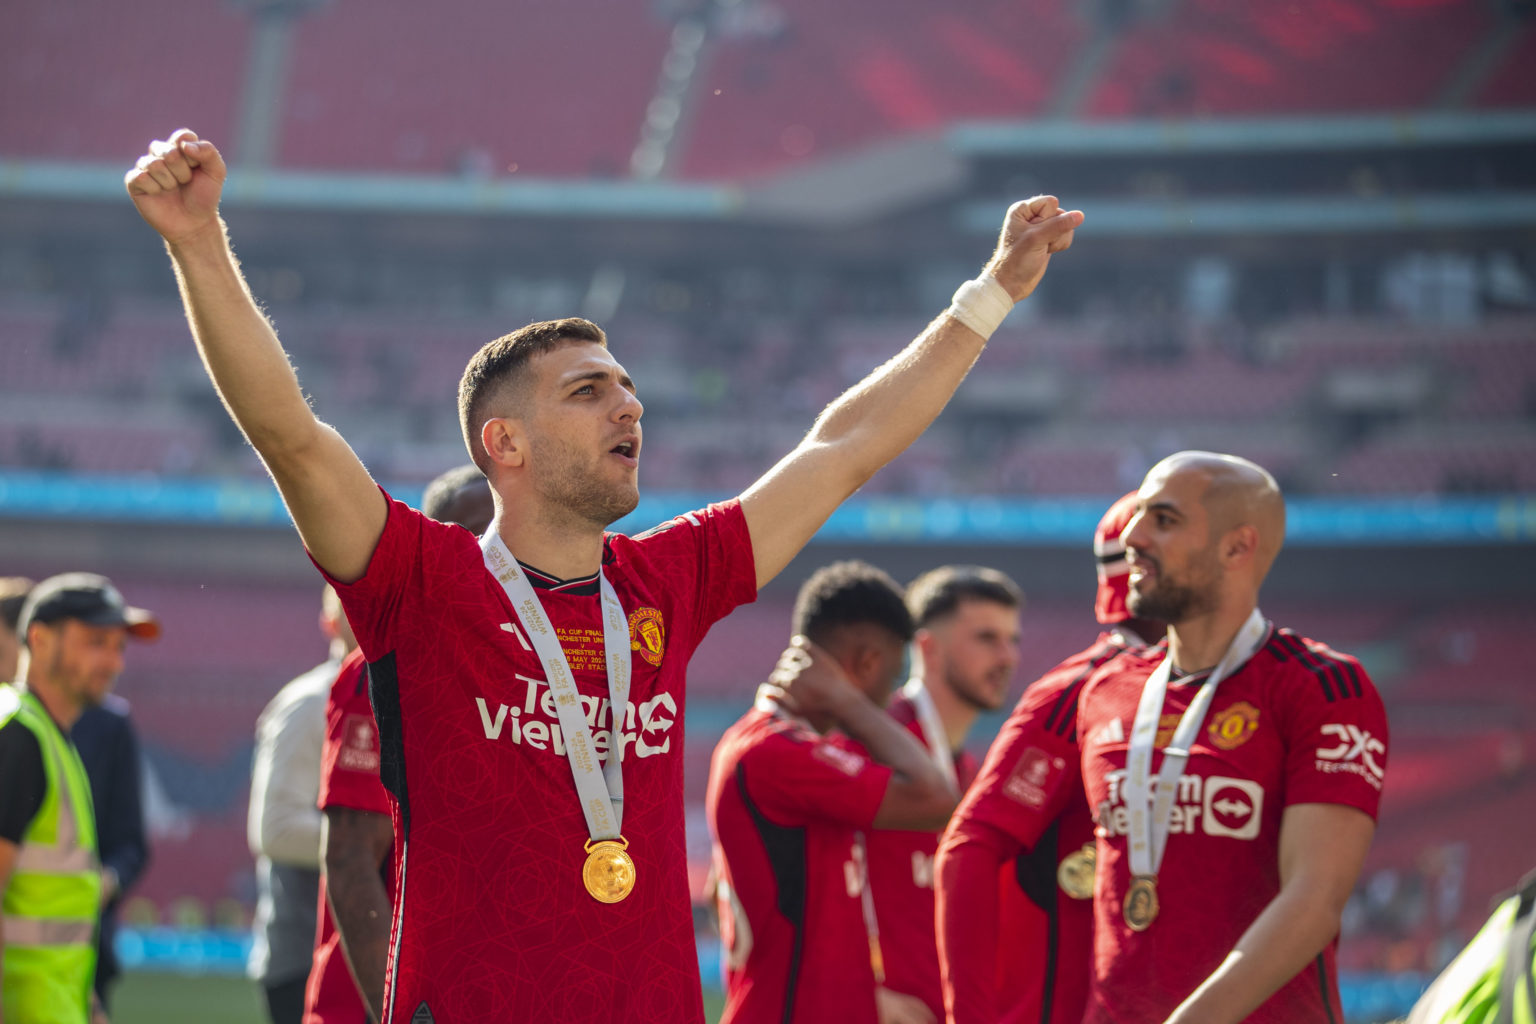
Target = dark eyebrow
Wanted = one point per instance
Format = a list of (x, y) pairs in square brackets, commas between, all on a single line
[(1164, 506), (598, 375)]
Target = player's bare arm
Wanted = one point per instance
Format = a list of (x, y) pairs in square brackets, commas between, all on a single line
[(810, 683), (339, 511), (1322, 848), (356, 844), (876, 419)]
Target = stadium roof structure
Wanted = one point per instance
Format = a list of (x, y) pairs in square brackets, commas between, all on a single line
[(889, 177)]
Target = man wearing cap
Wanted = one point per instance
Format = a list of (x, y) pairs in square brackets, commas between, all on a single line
[(74, 629), (1014, 872)]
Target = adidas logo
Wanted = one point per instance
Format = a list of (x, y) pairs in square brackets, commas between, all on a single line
[(1112, 731), (422, 1015)]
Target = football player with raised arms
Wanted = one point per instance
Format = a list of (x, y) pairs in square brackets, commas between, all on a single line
[(529, 688)]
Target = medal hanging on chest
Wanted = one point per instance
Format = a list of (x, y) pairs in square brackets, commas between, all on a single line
[(1141, 903), (608, 873), (1148, 813), (1075, 873)]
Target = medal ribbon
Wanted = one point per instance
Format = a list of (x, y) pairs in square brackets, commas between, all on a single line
[(1147, 815), (934, 737), (601, 791)]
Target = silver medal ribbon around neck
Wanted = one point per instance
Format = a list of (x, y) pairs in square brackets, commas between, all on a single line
[(1148, 815), (934, 736), (601, 790)]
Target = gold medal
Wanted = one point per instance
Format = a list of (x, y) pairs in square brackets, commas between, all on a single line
[(1141, 903), (1075, 873), (609, 873)]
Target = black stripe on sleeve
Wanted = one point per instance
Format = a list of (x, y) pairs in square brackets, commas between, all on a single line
[(1322, 981), (1293, 645), (1063, 717), (785, 847), (1340, 678), (384, 695)]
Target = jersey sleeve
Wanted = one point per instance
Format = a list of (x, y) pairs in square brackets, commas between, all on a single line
[(26, 783), (349, 760), (1335, 733), (798, 778), (709, 555), (1033, 767), (414, 564), (966, 918)]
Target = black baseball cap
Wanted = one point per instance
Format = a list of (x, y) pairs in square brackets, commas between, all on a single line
[(88, 598)]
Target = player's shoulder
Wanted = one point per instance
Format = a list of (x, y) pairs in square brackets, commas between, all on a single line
[(1116, 662), (902, 709), (684, 529), (18, 742), (1313, 668)]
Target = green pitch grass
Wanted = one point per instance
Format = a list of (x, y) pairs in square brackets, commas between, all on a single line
[(205, 999)]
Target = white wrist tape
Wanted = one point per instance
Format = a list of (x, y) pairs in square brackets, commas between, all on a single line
[(981, 305)]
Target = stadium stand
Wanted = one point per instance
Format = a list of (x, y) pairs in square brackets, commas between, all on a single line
[(477, 90), (112, 110), (1207, 57)]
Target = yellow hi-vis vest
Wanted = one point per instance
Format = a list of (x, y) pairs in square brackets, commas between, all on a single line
[(50, 905)]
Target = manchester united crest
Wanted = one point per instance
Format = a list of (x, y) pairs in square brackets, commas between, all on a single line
[(647, 635), (1231, 727)]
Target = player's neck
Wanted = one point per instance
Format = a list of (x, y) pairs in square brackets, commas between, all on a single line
[(61, 709), (1199, 643), (560, 548), (957, 714)]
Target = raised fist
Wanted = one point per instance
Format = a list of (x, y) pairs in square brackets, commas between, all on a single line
[(176, 186), (1032, 231)]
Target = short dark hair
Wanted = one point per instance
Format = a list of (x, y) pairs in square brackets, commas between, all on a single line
[(496, 370), (938, 592), (440, 494), (13, 594), (850, 593)]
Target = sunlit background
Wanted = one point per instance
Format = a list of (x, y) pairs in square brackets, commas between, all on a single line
[(1310, 240)]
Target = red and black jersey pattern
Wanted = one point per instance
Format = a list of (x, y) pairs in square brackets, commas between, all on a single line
[(492, 921), (1021, 818), (1298, 723)]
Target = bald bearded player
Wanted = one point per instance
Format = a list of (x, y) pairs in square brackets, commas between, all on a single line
[(1234, 772)]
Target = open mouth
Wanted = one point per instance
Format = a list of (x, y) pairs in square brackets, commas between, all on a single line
[(629, 451)]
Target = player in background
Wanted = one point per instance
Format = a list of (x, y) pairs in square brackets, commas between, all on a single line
[(1014, 876), (1220, 901), (283, 824), (964, 654), (75, 629), (13, 594), (786, 806), (346, 983), (541, 851)]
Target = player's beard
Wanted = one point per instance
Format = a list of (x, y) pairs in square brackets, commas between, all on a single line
[(977, 692), (575, 490), (1173, 599)]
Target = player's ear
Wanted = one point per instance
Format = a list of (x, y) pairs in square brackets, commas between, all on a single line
[(1240, 545), (867, 664), (505, 442)]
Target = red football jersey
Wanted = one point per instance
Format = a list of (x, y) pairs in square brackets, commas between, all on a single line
[(349, 777), (1297, 723), (1028, 961), (784, 804), (492, 921), (901, 881)]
